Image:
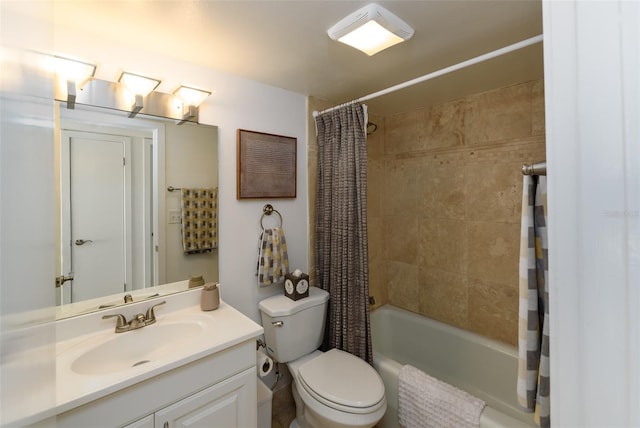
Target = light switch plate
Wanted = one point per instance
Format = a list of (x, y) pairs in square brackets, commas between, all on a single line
[(174, 216)]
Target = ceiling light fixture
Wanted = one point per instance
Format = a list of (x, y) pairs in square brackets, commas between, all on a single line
[(371, 29), (140, 87), (191, 99)]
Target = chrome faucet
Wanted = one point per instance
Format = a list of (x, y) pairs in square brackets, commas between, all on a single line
[(136, 322)]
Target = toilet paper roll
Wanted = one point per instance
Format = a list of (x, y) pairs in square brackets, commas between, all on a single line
[(264, 363)]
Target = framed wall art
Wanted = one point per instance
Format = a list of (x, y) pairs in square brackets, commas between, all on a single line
[(266, 165)]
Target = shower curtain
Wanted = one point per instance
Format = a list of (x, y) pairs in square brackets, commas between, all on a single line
[(533, 326), (341, 228)]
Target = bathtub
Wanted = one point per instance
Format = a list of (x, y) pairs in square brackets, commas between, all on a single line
[(483, 367)]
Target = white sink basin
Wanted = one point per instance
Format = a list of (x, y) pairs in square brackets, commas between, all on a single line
[(136, 347), (92, 361)]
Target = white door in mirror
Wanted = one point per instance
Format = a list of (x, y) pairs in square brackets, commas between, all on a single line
[(98, 218)]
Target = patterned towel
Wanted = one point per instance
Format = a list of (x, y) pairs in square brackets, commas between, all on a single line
[(199, 220), (273, 262), (533, 326), (426, 402)]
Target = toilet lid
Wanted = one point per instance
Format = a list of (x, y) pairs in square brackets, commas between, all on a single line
[(343, 379)]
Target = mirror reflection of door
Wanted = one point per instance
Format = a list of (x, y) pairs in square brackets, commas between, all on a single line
[(97, 214)]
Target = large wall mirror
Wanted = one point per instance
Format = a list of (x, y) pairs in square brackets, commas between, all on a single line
[(119, 224)]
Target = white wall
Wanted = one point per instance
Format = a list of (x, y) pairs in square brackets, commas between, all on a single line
[(27, 262), (26, 170), (235, 103), (592, 87), (27, 239)]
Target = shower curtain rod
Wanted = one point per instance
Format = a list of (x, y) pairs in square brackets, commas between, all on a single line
[(446, 70), (539, 168)]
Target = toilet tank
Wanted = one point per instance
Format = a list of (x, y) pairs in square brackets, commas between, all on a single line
[(293, 328)]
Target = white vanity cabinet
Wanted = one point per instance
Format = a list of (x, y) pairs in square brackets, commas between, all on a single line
[(146, 422), (216, 391), (223, 405)]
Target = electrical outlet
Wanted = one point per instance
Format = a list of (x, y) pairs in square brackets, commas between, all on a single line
[(174, 216)]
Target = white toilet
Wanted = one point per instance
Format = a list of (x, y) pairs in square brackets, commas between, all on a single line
[(331, 389)]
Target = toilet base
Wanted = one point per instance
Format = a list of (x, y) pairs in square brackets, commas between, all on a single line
[(308, 418)]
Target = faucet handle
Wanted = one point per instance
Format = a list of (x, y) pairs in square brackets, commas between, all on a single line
[(137, 322), (121, 322), (151, 316)]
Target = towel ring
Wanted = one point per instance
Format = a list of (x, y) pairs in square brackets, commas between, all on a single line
[(268, 210)]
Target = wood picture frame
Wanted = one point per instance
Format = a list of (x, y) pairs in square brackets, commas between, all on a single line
[(266, 165)]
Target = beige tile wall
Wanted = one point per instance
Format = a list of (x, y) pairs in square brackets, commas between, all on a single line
[(443, 198), (375, 205), (444, 207)]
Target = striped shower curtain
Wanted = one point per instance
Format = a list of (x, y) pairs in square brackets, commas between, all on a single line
[(533, 326), (341, 228)]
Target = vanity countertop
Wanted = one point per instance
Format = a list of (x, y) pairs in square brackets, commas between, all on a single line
[(64, 387)]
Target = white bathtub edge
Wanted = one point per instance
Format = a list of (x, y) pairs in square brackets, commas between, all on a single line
[(386, 367), (492, 418), (389, 370)]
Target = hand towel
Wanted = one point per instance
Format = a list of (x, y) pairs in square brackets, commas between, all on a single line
[(426, 402), (199, 220), (273, 262)]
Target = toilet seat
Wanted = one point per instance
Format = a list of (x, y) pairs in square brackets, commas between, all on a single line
[(343, 382)]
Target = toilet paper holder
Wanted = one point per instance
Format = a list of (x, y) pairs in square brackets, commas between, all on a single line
[(264, 363), (260, 343)]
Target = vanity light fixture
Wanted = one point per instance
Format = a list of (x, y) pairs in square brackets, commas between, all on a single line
[(140, 87), (131, 93), (191, 96), (371, 29), (191, 100), (75, 73)]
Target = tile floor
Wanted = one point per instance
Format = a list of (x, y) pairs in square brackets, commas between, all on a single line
[(283, 409)]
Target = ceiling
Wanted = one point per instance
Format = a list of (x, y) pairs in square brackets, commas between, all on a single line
[(284, 43)]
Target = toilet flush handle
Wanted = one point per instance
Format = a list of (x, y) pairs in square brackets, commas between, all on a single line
[(277, 323)]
